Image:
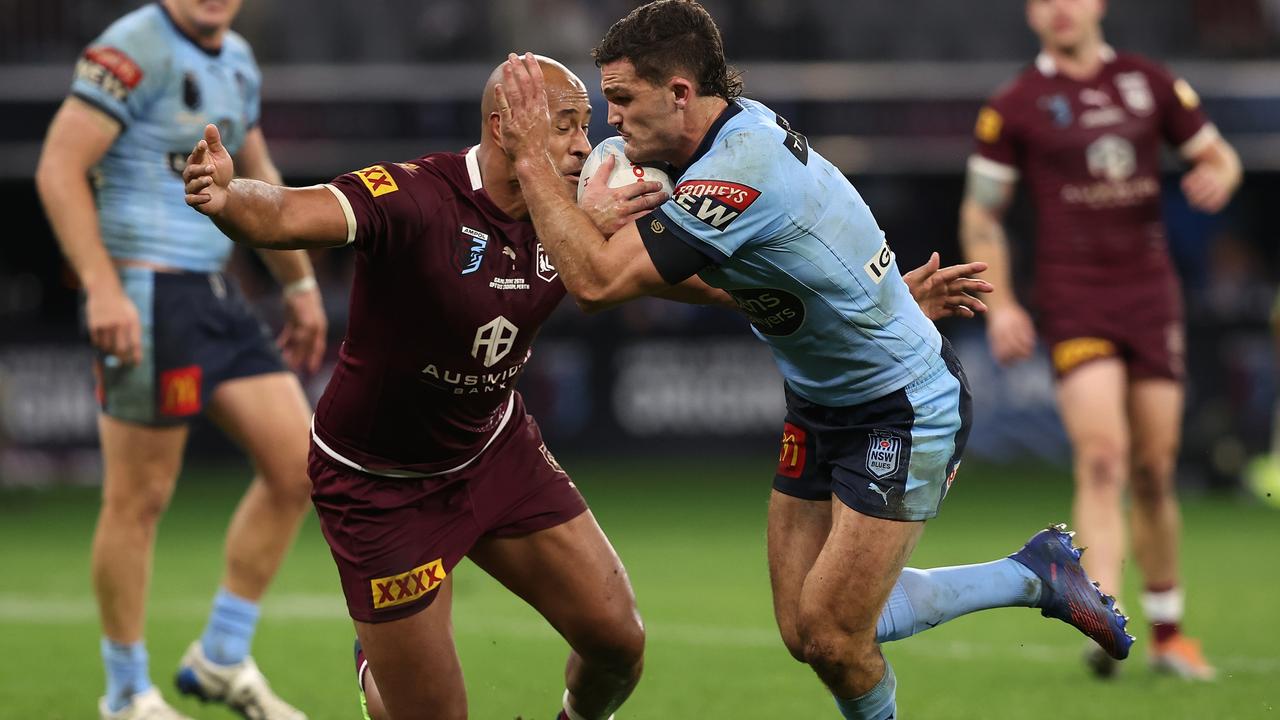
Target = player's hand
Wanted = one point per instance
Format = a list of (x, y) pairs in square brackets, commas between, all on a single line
[(1012, 335), (948, 292), (1206, 188), (306, 329), (611, 209), (208, 173), (522, 108), (114, 327)]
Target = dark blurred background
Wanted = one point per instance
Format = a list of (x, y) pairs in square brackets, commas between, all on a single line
[(888, 91)]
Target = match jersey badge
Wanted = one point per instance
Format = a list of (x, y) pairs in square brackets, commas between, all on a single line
[(883, 450), (546, 269), (469, 250), (1136, 92)]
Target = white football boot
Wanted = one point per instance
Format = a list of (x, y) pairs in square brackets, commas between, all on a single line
[(146, 705), (240, 687)]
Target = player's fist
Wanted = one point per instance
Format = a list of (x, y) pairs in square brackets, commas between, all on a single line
[(114, 326), (612, 208), (1012, 335), (208, 173), (1206, 188)]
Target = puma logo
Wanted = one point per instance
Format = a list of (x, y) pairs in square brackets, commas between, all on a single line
[(884, 494)]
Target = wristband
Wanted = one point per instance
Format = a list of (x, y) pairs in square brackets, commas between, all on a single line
[(301, 285)]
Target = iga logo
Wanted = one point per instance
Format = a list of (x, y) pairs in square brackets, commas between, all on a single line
[(495, 338), (883, 450), (878, 266), (716, 203)]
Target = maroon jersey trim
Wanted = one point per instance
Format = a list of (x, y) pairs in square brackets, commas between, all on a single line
[(506, 415), (1047, 67), (347, 212), (997, 171), (473, 168)]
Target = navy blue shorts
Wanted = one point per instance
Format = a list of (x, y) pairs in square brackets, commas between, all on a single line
[(894, 457), (197, 332)]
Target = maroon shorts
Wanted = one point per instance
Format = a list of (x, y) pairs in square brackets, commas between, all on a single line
[(1139, 323), (395, 540)]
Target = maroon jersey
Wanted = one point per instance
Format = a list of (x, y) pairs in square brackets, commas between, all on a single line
[(1090, 152), (449, 294)]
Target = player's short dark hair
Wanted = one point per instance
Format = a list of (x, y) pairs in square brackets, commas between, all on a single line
[(669, 37)]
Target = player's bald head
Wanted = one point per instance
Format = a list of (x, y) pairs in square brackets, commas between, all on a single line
[(560, 82)]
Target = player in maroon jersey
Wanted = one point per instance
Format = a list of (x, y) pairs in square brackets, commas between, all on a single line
[(1085, 125), (422, 451)]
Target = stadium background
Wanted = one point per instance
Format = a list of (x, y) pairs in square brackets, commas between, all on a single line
[(667, 415)]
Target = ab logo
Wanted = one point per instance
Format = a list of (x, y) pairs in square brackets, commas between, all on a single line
[(495, 339)]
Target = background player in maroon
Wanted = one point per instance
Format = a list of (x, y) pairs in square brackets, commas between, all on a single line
[(1085, 126), (422, 452)]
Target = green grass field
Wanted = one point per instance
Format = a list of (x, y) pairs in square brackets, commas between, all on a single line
[(692, 536)]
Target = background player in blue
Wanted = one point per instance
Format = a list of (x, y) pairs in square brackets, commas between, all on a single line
[(877, 404), (174, 336)]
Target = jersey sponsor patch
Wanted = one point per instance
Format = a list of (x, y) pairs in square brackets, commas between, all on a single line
[(990, 123), (111, 70), (469, 250), (792, 456), (180, 391), (1186, 94), (546, 269), (408, 586), (1071, 354), (378, 180), (1136, 92), (771, 311), (880, 263), (883, 450), (716, 203), (494, 340)]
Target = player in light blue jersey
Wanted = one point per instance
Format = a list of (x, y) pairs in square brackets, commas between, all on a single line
[(174, 336), (877, 404)]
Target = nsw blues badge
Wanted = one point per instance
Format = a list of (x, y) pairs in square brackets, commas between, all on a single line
[(883, 452)]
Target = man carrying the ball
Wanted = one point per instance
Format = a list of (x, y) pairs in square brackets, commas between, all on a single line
[(878, 405)]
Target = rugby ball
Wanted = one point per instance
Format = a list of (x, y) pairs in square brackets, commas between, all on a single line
[(624, 171)]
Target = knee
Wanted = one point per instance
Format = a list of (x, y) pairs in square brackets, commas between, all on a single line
[(836, 654), (140, 505), (287, 482), (1101, 463), (1153, 478), (616, 645), (791, 639)]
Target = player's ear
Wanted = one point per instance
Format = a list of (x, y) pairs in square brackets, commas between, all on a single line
[(682, 91), (493, 126)]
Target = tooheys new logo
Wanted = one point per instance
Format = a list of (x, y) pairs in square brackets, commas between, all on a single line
[(715, 202)]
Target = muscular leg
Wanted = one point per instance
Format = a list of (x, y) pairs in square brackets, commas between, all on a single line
[(268, 416), (416, 664), (797, 531), (141, 467), (1155, 412), (1092, 400), (572, 576)]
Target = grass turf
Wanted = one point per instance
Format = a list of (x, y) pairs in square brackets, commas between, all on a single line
[(692, 536)]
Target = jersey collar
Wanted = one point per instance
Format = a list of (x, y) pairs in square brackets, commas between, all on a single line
[(1047, 67), (473, 168), (211, 53), (704, 147)]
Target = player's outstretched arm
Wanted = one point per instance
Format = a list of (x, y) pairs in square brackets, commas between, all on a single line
[(598, 272), (948, 292), (256, 213)]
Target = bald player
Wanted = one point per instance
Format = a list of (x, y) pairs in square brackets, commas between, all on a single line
[(422, 451)]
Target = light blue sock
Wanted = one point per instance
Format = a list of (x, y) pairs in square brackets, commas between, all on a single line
[(127, 675), (879, 703), (227, 638), (922, 599)]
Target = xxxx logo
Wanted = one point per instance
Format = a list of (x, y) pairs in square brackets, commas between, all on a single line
[(378, 180), (407, 586)]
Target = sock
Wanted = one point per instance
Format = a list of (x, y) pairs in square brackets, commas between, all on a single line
[(568, 713), (880, 702), (922, 599), (229, 633), (127, 674), (361, 664), (1163, 608)]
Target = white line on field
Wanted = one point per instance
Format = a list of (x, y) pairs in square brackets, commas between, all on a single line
[(303, 606)]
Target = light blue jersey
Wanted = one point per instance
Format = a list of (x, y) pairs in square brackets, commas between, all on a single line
[(800, 252), (163, 89)]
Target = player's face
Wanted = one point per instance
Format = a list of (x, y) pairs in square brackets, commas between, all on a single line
[(644, 113), (207, 17), (1064, 24), (570, 116)]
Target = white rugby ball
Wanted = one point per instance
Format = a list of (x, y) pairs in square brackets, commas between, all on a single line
[(624, 171)]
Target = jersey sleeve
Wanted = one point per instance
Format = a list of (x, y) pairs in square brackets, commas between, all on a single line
[(252, 87), (123, 70), (1183, 122), (381, 205), (730, 197), (997, 153)]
